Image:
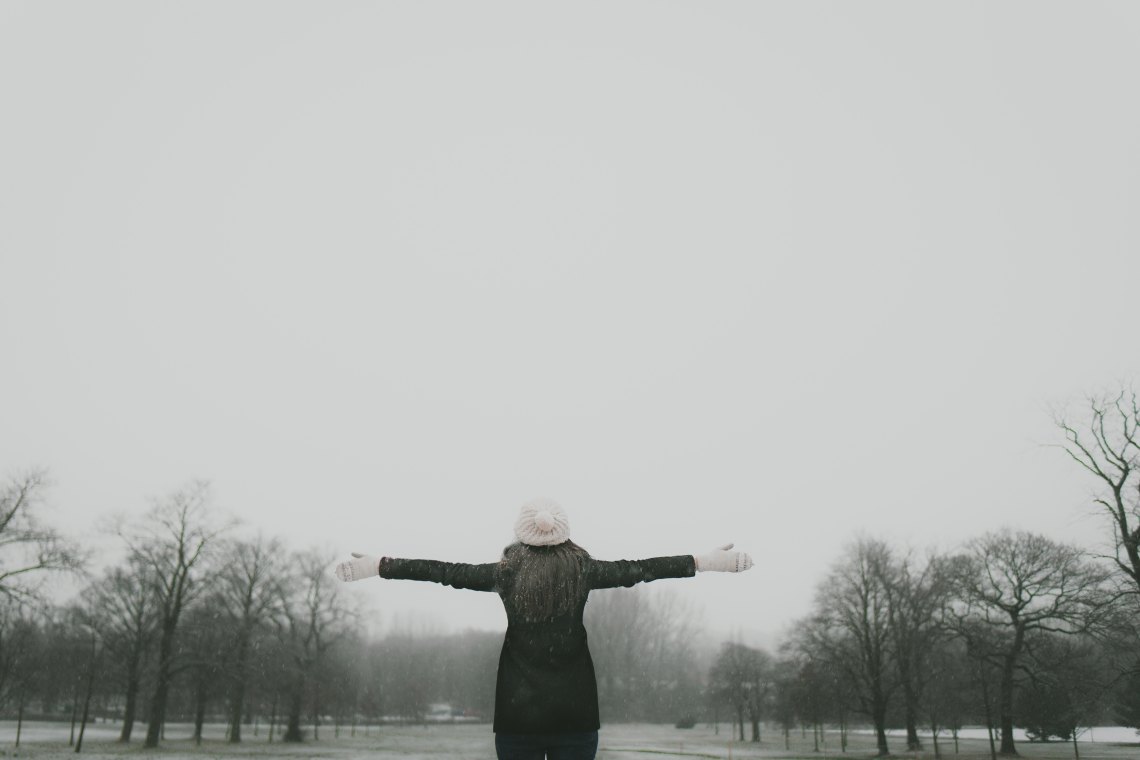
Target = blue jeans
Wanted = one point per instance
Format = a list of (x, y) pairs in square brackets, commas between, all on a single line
[(578, 746)]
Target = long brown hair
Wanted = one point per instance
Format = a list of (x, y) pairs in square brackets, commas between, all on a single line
[(543, 582)]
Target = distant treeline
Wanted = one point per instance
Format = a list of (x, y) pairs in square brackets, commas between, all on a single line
[(1010, 630)]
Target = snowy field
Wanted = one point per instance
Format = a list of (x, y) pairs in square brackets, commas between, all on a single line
[(475, 742)]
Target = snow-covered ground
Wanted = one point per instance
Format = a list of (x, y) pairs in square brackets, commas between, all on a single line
[(48, 741), (1098, 734)]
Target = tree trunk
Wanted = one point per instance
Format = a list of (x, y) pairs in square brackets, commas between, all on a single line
[(316, 709), (19, 720), (162, 684), (87, 698), (1005, 703), (913, 743), (989, 709), (910, 701), (755, 729), (83, 723), (740, 719), (879, 714), (237, 699), (132, 697), (129, 710), (880, 719), (74, 713), (199, 709), (293, 728), (158, 710)]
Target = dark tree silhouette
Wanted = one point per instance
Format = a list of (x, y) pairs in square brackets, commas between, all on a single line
[(1106, 444), (28, 548), (124, 610), (852, 628), (1011, 586), (248, 593), (172, 543)]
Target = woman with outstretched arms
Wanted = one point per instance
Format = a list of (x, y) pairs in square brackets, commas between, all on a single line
[(546, 695)]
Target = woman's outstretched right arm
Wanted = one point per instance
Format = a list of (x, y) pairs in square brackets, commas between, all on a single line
[(603, 574), (454, 574)]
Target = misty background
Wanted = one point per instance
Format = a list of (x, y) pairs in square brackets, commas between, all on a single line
[(771, 274), (287, 280)]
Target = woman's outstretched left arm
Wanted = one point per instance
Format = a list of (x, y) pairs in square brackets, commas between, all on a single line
[(454, 574)]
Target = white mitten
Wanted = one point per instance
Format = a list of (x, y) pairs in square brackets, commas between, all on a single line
[(358, 568), (723, 561)]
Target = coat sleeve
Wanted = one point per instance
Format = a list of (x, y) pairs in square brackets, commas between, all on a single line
[(625, 572), (454, 574)]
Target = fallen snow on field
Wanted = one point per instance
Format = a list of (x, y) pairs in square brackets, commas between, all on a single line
[(49, 741)]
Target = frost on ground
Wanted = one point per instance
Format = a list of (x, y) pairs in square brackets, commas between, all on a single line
[(49, 741)]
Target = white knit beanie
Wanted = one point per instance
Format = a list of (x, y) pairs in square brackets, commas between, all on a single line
[(542, 522)]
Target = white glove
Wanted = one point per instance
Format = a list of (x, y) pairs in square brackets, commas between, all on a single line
[(358, 568), (724, 561)]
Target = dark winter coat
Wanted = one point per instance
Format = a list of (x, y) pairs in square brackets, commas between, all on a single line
[(546, 678)]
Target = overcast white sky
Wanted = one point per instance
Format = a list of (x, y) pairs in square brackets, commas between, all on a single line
[(768, 273)]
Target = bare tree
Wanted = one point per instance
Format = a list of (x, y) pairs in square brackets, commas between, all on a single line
[(248, 592), (852, 627), (124, 610), (821, 687), (1106, 443), (1010, 586), (27, 547), (83, 616), (743, 677), (313, 617), (915, 595), (172, 543)]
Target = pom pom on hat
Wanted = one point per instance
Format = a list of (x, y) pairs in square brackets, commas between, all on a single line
[(542, 522)]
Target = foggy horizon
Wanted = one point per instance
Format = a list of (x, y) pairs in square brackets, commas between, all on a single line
[(779, 275)]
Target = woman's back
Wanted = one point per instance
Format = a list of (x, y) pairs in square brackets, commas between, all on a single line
[(546, 681)]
